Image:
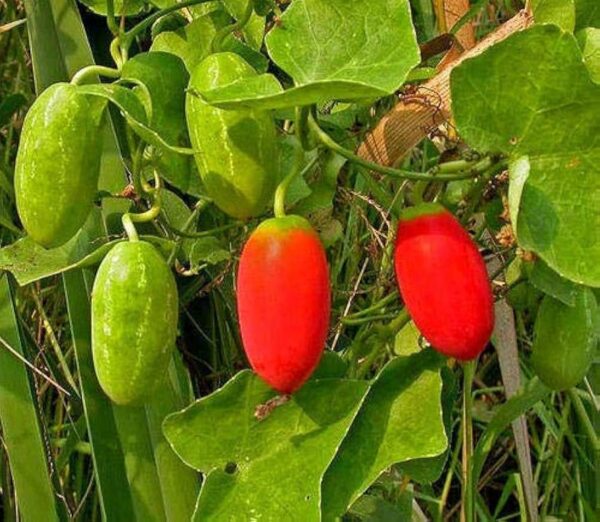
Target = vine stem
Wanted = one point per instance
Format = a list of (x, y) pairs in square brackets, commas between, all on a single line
[(330, 143), (280, 193), (153, 212), (229, 29), (110, 17), (467, 451), (129, 227), (91, 70)]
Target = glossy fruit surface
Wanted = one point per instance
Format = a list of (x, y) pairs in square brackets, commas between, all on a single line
[(237, 149), (134, 321), (443, 281), (565, 340), (283, 301), (58, 164)]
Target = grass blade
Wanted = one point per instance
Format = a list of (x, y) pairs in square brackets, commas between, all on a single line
[(22, 432)]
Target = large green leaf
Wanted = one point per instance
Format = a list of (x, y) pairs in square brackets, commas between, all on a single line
[(332, 49), (589, 41), (268, 469), (531, 97), (558, 12), (22, 434), (400, 420)]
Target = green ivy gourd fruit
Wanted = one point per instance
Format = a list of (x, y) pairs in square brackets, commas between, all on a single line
[(58, 164), (565, 340), (237, 153), (134, 321)]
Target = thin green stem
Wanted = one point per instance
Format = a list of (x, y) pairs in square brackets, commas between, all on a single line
[(367, 319), (110, 17), (127, 38), (223, 33), (468, 504), (152, 213), (203, 233), (118, 55), (389, 171), (390, 298), (280, 193), (302, 127), (94, 70), (129, 227)]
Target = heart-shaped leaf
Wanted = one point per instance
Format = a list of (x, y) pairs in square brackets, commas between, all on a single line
[(332, 49), (531, 97), (270, 468)]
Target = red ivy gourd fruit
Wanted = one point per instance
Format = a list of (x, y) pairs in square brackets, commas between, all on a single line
[(58, 164), (283, 301), (443, 281), (134, 321)]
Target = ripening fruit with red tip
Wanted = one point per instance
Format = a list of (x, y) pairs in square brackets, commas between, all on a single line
[(443, 281), (283, 301)]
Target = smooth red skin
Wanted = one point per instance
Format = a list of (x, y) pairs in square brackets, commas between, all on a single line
[(283, 301), (444, 283)]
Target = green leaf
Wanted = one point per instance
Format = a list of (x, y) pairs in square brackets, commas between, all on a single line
[(192, 43), (587, 13), (270, 468), (122, 7), (368, 55), (429, 469), (557, 12), (341, 41), (134, 112), (406, 341), (22, 434), (589, 41), (166, 79), (553, 122), (400, 420), (549, 282)]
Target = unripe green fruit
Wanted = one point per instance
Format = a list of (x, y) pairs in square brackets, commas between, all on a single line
[(565, 340), (134, 321), (58, 164), (237, 149)]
